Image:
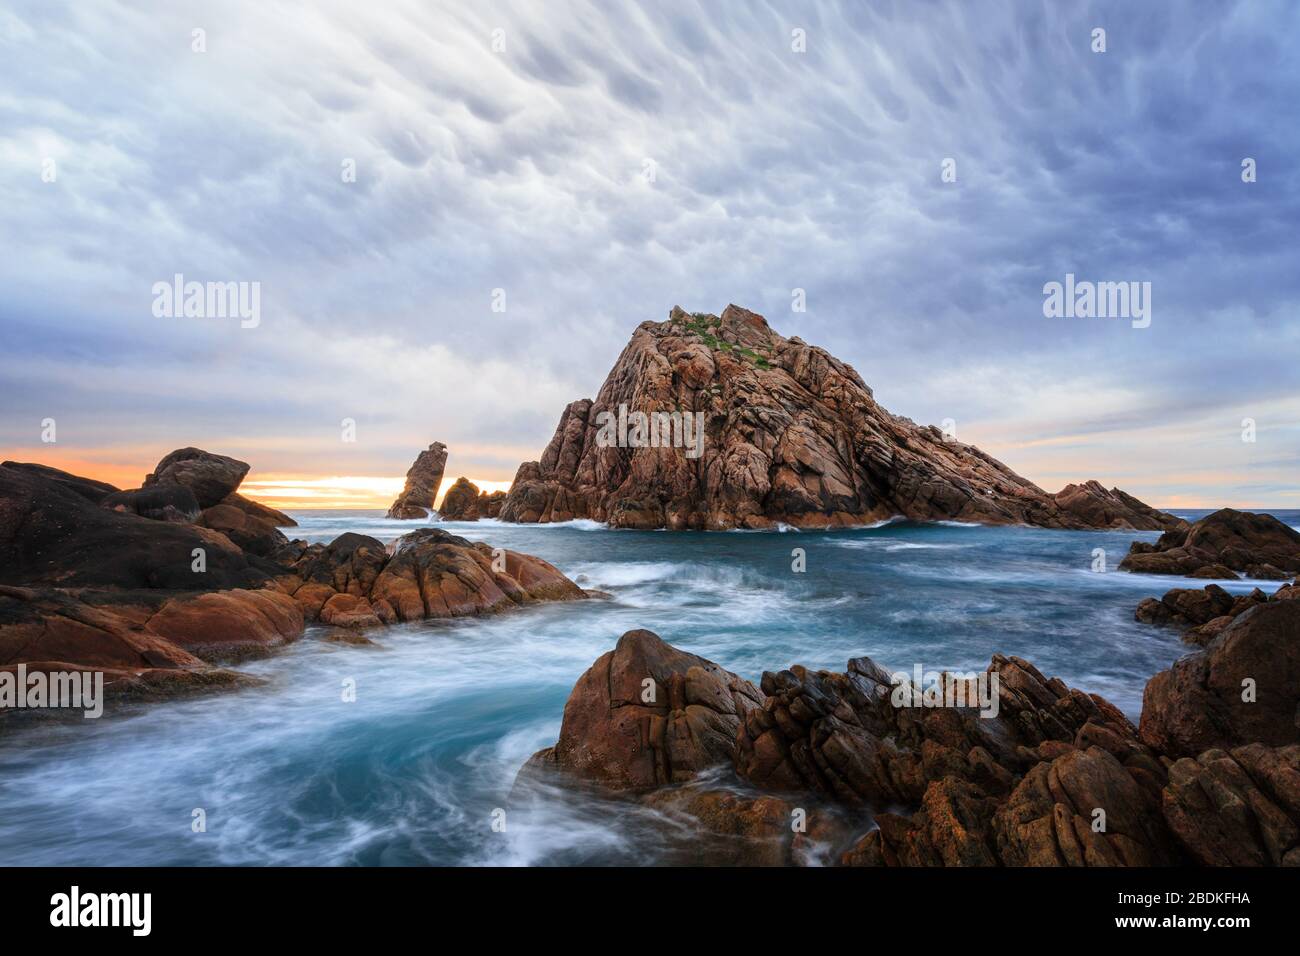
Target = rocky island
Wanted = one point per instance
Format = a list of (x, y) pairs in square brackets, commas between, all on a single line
[(791, 435)]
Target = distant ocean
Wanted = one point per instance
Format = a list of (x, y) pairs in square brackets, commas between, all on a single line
[(447, 712)]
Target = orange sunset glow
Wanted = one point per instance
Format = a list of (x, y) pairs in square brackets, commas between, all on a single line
[(341, 491)]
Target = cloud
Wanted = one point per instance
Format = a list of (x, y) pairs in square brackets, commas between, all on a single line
[(523, 169)]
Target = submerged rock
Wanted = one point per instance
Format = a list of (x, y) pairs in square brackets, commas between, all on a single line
[(733, 425)]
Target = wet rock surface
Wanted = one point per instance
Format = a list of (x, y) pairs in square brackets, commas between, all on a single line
[(647, 714), (1052, 776)]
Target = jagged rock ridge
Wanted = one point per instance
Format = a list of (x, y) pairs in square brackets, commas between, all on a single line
[(1208, 777), (790, 434)]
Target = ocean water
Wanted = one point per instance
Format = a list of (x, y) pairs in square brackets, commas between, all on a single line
[(419, 768)]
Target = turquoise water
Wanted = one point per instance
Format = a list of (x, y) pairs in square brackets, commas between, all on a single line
[(445, 713)]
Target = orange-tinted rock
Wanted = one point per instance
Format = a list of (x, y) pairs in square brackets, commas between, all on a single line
[(460, 503), (647, 714), (258, 510), (464, 502), (422, 481), (733, 829), (245, 527), (348, 610), (52, 625), (1083, 808), (222, 625)]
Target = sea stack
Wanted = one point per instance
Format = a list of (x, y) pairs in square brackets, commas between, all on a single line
[(465, 502), (718, 422), (422, 481)]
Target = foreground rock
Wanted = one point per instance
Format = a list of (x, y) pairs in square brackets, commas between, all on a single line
[(153, 602), (1238, 807), (777, 431), (158, 503), (1244, 687), (422, 481), (647, 714), (1219, 546), (738, 829), (464, 502), (52, 536), (1056, 777)]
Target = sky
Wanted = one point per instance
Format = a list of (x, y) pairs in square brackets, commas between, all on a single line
[(457, 213)]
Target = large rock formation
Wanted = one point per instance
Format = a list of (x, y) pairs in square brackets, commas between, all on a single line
[(1220, 545), (88, 582), (1056, 777), (464, 502), (769, 430), (422, 481)]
